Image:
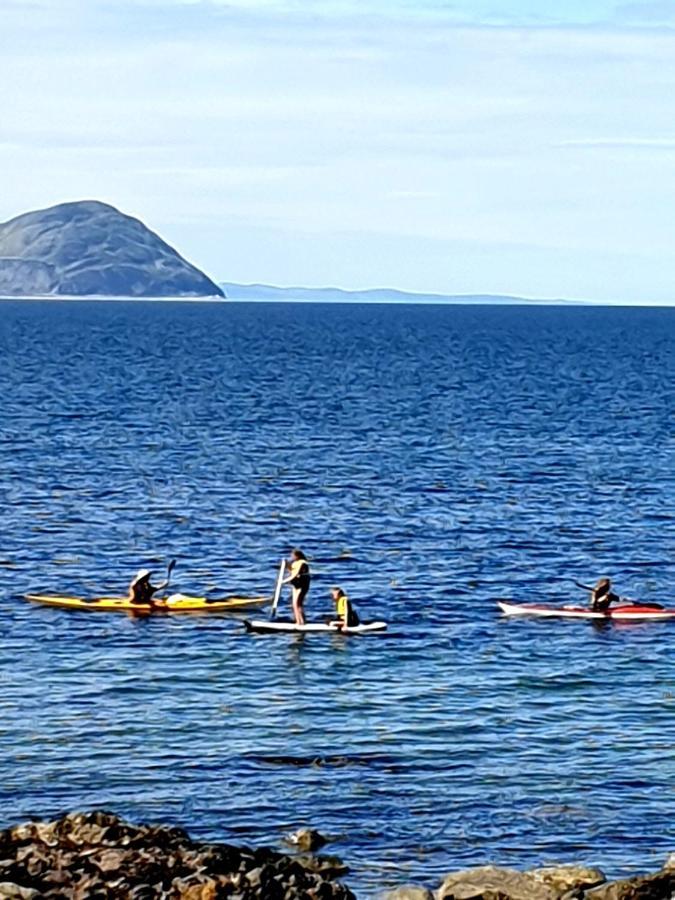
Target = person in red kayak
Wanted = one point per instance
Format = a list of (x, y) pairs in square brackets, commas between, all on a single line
[(602, 595)]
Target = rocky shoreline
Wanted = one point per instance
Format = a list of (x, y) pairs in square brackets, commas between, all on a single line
[(568, 882), (99, 856)]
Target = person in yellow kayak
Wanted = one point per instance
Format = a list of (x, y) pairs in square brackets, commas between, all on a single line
[(344, 609), (299, 579), (141, 591)]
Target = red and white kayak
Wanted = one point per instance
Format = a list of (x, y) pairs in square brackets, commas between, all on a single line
[(623, 612)]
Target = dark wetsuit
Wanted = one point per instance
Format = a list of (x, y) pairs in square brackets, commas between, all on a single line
[(143, 592), (601, 602), (301, 578)]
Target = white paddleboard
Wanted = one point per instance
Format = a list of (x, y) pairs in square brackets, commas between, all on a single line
[(262, 627)]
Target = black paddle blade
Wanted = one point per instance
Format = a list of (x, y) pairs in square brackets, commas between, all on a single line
[(171, 567)]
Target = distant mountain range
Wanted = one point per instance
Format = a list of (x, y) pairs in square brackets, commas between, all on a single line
[(88, 248), (377, 295)]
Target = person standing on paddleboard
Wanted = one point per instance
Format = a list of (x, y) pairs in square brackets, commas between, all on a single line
[(299, 580), (348, 617)]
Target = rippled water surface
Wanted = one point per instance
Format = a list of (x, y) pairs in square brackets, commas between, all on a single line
[(429, 460)]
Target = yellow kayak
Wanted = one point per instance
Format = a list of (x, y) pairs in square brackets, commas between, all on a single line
[(176, 603)]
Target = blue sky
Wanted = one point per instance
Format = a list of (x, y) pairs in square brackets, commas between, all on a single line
[(492, 146)]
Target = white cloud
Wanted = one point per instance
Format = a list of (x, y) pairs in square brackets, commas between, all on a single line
[(623, 143)]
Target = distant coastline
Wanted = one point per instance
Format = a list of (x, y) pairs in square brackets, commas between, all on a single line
[(263, 293), (272, 293), (335, 296), (112, 298)]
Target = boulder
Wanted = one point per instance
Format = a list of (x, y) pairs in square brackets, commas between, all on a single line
[(306, 839), (660, 886), (408, 892), (9, 891), (493, 883), (207, 890), (564, 879), (328, 866)]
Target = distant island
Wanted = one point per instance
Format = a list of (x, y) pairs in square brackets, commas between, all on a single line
[(89, 248), (375, 295)]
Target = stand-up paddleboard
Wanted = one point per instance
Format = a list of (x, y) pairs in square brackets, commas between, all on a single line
[(623, 612), (176, 603), (262, 627), (277, 589)]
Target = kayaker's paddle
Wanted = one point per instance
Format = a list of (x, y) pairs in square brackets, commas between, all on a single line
[(277, 589), (584, 587), (169, 570), (165, 584)]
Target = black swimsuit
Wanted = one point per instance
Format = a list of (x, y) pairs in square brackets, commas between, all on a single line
[(302, 580), (603, 601)]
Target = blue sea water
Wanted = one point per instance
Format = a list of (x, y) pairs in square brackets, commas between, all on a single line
[(429, 459)]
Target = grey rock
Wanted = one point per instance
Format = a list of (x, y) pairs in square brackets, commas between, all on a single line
[(493, 883), (15, 891), (566, 880), (90, 248), (408, 892), (306, 839), (660, 886), (328, 866), (253, 876)]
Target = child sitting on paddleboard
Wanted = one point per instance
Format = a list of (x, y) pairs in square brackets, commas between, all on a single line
[(348, 617)]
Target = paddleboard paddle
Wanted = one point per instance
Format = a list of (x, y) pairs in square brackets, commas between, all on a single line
[(277, 589)]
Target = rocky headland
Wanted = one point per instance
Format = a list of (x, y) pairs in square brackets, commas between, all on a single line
[(88, 248), (98, 856)]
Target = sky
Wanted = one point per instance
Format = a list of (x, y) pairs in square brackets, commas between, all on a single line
[(522, 147)]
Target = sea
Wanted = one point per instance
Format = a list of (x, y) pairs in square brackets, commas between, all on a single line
[(430, 460)]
